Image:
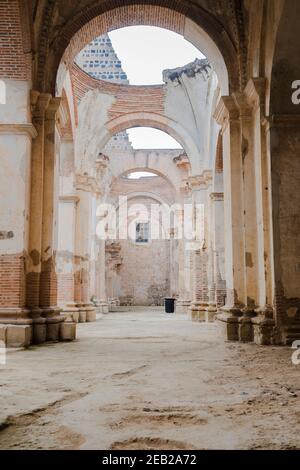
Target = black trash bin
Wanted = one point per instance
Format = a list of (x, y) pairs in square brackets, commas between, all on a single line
[(169, 305)]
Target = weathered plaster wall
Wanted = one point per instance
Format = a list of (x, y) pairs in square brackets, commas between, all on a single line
[(16, 134), (144, 274), (171, 108)]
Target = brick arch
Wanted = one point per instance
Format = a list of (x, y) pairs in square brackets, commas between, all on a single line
[(154, 120), (195, 24)]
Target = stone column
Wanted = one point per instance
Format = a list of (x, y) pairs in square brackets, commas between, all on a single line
[(284, 146), (48, 279), (16, 136), (173, 264), (252, 203), (263, 322), (197, 310), (212, 306), (183, 302), (101, 166), (218, 248), (184, 265), (211, 310), (227, 115), (68, 201), (40, 103), (85, 186), (66, 257), (101, 278)]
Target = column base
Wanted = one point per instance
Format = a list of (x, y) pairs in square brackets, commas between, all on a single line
[(53, 322), (90, 313), (87, 312), (210, 314), (81, 313), (15, 316), (246, 333), (198, 312), (182, 307), (39, 327), (68, 331), (70, 312), (264, 333), (16, 327), (18, 336), (103, 308), (228, 323), (21, 327), (15, 336), (193, 312), (113, 305)]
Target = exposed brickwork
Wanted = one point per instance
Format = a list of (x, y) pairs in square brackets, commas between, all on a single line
[(32, 289), (64, 28), (13, 62), (48, 289), (220, 294), (12, 281), (129, 99), (65, 288), (118, 17)]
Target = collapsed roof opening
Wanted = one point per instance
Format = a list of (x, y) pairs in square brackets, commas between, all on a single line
[(136, 55)]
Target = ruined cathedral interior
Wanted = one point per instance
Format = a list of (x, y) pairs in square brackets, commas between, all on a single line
[(89, 357)]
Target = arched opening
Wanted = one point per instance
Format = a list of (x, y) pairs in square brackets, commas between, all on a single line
[(77, 243), (108, 111), (204, 34)]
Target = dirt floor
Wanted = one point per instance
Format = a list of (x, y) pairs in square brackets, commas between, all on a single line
[(146, 380)]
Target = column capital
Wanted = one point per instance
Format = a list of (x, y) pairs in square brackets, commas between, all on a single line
[(226, 111), (52, 108), (244, 109), (255, 93), (39, 103)]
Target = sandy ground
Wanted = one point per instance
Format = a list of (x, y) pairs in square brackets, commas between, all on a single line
[(145, 380)]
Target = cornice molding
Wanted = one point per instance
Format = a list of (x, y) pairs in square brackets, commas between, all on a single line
[(226, 111), (19, 129), (70, 198)]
